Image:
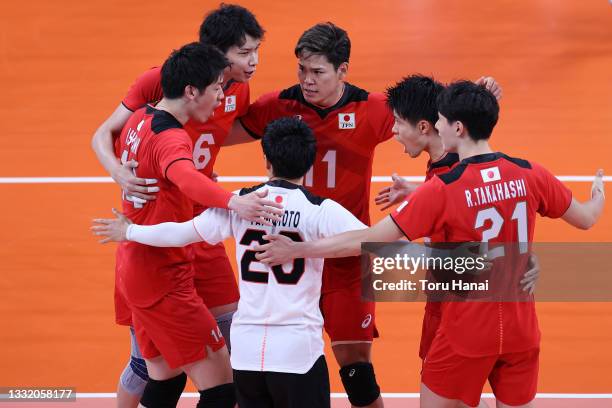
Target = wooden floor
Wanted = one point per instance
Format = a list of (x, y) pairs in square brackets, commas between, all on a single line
[(65, 65)]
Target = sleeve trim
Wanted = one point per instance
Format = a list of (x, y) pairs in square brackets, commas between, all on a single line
[(127, 107), (249, 131), (399, 227)]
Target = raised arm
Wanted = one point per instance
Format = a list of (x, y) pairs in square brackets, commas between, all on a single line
[(585, 215), (102, 144)]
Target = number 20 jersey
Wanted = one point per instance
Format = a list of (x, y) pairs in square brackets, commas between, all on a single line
[(278, 325)]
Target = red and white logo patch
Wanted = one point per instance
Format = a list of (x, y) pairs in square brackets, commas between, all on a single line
[(366, 322), (230, 103), (490, 174), (278, 198), (346, 121)]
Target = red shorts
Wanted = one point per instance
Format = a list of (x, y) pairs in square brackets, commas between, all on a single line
[(513, 376), (215, 281), (431, 322), (123, 313), (348, 318), (179, 328)]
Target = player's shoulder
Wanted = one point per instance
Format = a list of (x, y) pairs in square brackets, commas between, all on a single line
[(152, 74), (494, 159), (236, 88), (163, 122)]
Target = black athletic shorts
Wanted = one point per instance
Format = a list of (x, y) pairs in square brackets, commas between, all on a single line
[(267, 389)]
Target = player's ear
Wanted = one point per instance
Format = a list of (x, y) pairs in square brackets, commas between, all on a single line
[(459, 128), (190, 92), (424, 127), (342, 70)]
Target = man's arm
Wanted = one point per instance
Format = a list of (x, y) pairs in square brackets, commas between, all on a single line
[(167, 234), (238, 135), (585, 215), (281, 249), (102, 145), (201, 189)]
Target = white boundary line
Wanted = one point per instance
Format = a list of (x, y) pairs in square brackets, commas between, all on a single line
[(390, 395), (227, 179)]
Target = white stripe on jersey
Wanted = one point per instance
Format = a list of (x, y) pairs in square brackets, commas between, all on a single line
[(278, 325)]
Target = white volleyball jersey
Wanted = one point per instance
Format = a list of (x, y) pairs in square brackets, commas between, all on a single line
[(278, 325)]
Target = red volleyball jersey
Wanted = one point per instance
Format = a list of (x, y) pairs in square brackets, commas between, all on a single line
[(485, 198), (347, 135), (156, 140)]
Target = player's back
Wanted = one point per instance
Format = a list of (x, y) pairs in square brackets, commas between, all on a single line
[(494, 198), (278, 311), (155, 139)]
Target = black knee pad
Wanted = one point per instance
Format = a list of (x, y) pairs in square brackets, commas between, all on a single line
[(163, 394), (360, 383), (221, 396)]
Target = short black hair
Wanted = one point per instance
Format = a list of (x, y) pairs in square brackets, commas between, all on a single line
[(228, 26), (195, 64), (325, 39), (414, 98), (289, 146), (471, 104)]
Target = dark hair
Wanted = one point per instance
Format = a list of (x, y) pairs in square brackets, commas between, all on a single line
[(228, 26), (195, 64), (290, 146), (471, 104), (325, 39), (414, 98)]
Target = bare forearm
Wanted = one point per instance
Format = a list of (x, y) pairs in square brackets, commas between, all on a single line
[(102, 145), (585, 215), (338, 246)]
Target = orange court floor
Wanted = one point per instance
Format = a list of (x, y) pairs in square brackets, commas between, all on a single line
[(65, 65)]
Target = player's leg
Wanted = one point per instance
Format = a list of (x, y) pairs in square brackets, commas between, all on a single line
[(178, 334), (308, 390), (212, 376), (451, 380), (133, 378), (251, 389), (216, 284), (350, 324), (514, 379)]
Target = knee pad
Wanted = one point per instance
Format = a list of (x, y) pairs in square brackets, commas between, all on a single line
[(135, 376), (360, 383), (221, 396), (225, 322), (165, 393)]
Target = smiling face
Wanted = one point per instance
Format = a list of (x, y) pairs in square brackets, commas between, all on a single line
[(322, 85), (243, 60)]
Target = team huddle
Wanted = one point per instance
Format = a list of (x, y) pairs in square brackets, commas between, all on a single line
[(258, 342)]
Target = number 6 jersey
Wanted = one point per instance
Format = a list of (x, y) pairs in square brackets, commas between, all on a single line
[(278, 325)]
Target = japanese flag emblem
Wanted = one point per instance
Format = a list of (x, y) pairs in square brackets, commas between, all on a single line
[(346, 121), (230, 103), (490, 174)]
